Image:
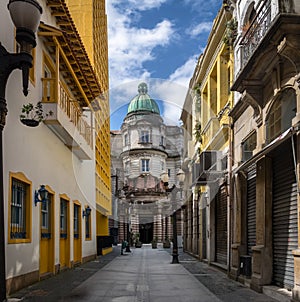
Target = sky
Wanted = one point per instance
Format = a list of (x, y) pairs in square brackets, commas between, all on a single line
[(157, 42)]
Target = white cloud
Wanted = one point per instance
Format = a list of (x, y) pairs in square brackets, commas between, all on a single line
[(183, 74), (202, 27), (130, 47), (146, 4)]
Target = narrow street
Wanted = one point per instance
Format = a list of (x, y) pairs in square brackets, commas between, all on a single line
[(145, 275)]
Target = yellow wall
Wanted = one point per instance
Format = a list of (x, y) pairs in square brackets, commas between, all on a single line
[(102, 225), (82, 14), (91, 21), (215, 95)]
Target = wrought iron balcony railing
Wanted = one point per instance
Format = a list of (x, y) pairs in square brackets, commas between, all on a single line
[(256, 31)]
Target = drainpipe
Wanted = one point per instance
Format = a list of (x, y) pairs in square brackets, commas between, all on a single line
[(229, 197)]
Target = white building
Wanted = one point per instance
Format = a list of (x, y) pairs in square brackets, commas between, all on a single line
[(44, 238), (143, 149)]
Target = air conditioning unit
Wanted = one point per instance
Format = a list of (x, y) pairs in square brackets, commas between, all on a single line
[(211, 167), (245, 265)]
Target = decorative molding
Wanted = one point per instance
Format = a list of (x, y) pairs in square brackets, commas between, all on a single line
[(289, 48), (248, 99)]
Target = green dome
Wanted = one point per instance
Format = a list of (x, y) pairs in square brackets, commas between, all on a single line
[(142, 101)]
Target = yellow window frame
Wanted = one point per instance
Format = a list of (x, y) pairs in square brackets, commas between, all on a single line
[(19, 176)]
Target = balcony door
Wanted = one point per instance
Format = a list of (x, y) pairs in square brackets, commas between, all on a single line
[(47, 236), (64, 242), (77, 245)]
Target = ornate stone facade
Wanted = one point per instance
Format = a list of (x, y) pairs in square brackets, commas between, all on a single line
[(142, 149)]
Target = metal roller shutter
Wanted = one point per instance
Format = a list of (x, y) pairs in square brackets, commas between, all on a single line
[(285, 231), (221, 226), (251, 208), (204, 236)]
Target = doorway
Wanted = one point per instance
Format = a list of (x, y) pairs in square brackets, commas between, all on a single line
[(146, 232)]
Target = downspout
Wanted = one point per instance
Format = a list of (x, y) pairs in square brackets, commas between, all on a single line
[(229, 193)]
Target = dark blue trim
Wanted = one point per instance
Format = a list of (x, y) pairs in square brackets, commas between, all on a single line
[(18, 235), (46, 235)]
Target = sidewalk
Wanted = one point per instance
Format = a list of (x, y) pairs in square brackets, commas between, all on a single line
[(144, 275)]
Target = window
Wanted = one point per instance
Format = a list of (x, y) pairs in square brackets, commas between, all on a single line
[(126, 140), (48, 80), (19, 211), (248, 146), (281, 114), (169, 172), (162, 165), (46, 217), (145, 137), (145, 165), (63, 218), (76, 221), (88, 227), (161, 141), (127, 167)]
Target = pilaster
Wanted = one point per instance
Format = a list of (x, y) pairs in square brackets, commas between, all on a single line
[(262, 258)]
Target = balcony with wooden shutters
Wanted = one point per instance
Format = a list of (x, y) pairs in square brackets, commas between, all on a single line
[(70, 88)]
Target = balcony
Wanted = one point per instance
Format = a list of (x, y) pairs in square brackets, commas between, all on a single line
[(67, 121), (256, 31), (271, 37), (210, 130)]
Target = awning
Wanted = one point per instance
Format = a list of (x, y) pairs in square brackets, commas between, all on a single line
[(271, 146)]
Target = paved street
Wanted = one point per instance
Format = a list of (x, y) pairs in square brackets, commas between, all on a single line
[(143, 275)]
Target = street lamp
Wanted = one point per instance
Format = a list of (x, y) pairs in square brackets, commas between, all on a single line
[(173, 190), (25, 15)]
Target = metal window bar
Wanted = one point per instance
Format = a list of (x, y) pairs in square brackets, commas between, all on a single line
[(87, 227), (76, 221), (18, 210), (63, 219), (46, 218), (145, 165)]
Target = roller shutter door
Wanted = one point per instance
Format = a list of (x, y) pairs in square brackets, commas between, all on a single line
[(285, 232), (251, 208), (221, 226), (204, 234)]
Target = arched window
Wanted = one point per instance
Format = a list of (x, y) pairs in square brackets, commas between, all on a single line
[(249, 17), (281, 114)]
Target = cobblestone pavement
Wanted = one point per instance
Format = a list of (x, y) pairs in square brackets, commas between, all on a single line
[(60, 285), (65, 285), (217, 282)]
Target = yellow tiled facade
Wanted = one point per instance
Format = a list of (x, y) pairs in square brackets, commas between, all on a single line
[(91, 21)]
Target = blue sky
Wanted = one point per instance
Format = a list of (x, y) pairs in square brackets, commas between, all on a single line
[(157, 42)]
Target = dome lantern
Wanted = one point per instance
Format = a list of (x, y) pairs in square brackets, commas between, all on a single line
[(142, 101)]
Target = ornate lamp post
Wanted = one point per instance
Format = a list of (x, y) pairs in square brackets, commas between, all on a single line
[(25, 15), (174, 190)]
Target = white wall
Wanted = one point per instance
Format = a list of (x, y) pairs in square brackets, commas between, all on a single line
[(43, 158)]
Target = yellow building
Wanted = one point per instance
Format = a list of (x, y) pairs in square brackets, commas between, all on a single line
[(91, 21), (209, 147)]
